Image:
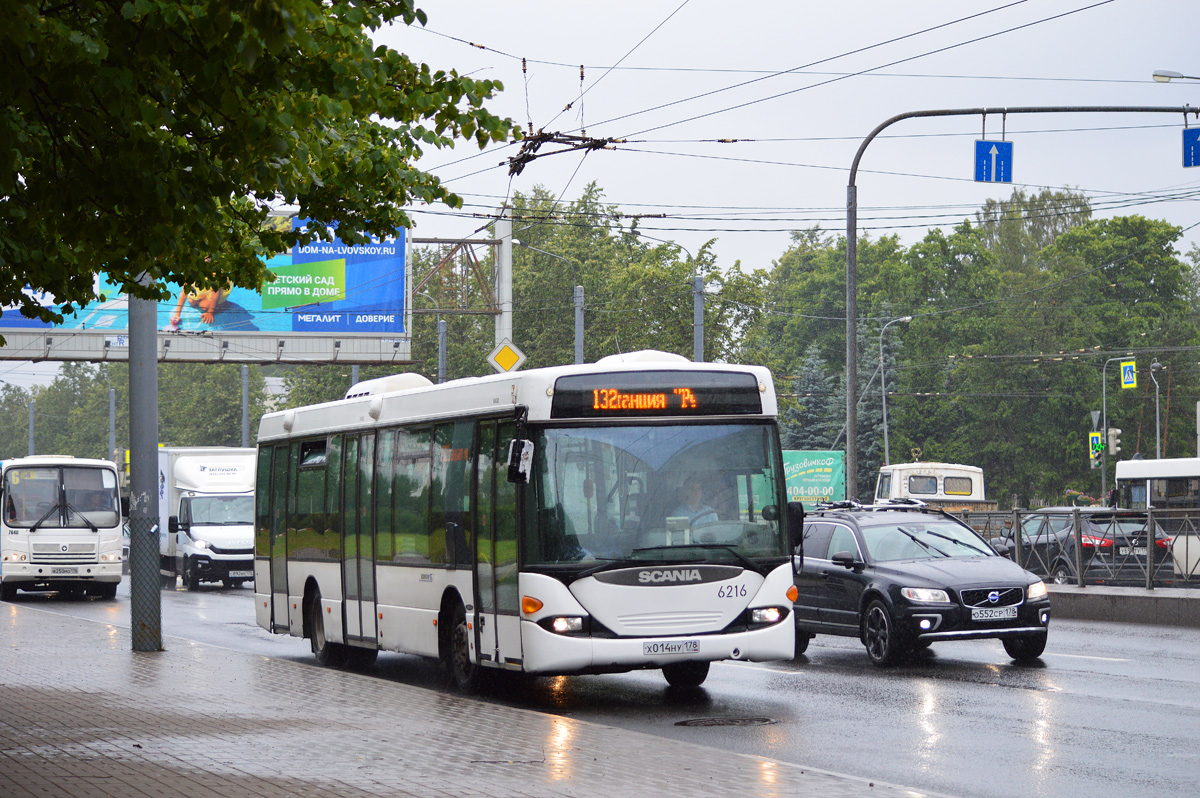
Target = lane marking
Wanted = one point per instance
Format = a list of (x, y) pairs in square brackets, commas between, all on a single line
[(1084, 656)]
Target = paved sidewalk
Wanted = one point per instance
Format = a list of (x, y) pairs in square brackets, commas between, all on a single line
[(82, 715)]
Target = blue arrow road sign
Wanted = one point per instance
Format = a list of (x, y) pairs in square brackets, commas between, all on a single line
[(1191, 146), (993, 161)]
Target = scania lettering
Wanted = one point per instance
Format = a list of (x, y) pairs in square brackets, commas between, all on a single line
[(540, 521), (61, 526)]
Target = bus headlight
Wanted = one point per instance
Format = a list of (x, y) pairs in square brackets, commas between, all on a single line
[(14, 556), (567, 625), (766, 615)]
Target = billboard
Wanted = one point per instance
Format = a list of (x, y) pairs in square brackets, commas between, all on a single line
[(814, 476), (324, 289)]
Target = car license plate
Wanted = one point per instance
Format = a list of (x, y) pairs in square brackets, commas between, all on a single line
[(993, 613), (63, 571), (241, 574), (671, 647), (1137, 551)]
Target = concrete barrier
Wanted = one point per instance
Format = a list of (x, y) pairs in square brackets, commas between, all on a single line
[(1167, 606)]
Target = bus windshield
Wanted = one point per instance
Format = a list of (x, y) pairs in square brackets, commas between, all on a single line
[(54, 497), (655, 492)]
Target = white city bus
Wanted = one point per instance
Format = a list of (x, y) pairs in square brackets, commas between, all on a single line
[(60, 528), (1171, 486), (537, 521)]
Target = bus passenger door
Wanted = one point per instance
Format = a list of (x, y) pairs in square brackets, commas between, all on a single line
[(505, 530), (279, 581), (485, 548), (358, 575)]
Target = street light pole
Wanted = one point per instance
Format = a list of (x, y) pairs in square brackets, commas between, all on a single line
[(1104, 423), (852, 238), (1154, 367), (887, 459), (577, 296)]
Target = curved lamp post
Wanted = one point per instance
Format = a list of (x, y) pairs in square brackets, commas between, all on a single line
[(1154, 367), (1167, 75), (883, 386)]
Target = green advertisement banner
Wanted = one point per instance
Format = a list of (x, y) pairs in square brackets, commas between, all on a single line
[(814, 476)]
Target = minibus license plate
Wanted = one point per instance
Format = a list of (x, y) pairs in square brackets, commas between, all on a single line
[(993, 613), (671, 647), (63, 571)]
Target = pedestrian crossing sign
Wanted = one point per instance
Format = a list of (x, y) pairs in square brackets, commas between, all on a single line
[(1128, 373)]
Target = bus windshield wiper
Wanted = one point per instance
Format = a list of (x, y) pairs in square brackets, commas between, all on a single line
[(86, 520), (42, 520), (920, 542), (743, 559)]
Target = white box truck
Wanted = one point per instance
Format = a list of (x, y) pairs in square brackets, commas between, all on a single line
[(206, 515)]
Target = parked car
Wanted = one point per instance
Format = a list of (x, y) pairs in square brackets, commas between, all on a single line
[(901, 577), (1112, 544)]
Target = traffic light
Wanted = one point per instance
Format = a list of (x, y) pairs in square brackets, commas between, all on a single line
[(1114, 440)]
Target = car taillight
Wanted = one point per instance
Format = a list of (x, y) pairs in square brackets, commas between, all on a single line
[(1163, 543), (1090, 541)]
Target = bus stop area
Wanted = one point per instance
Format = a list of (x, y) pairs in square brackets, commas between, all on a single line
[(83, 715)]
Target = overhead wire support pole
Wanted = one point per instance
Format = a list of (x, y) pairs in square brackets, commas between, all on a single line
[(852, 238)]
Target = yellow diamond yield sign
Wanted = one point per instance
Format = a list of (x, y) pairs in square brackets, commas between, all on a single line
[(506, 357)]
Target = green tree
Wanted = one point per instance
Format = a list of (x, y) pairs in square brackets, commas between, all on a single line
[(1015, 230), (811, 422), (154, 136)]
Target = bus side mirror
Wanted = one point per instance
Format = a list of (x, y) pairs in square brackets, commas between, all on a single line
[(520, 460), (795, 518)]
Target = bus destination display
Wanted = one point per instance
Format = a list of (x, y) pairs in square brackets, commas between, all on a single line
[(657, 393)]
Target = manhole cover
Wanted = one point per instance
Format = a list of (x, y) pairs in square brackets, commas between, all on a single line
[(727, 722)]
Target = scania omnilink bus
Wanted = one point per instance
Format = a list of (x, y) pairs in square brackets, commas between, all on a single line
[(540, 521)]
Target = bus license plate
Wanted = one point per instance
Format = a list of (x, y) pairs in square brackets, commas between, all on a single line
[(671, 647), (993, 613), (1137, 551), (241, 574), (63, 571)]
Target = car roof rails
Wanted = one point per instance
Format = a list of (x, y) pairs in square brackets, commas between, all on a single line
[(906, 502), (842, 504)]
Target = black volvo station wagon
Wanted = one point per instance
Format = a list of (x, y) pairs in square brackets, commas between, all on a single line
[(900, 576)]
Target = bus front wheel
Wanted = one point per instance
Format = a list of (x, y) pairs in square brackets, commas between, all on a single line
[(685, 674), (464, 674)]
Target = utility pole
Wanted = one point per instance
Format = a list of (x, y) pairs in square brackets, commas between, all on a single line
[(145, 599)]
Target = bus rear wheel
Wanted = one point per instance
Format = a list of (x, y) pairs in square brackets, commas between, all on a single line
[(325, 652), (685, 674)]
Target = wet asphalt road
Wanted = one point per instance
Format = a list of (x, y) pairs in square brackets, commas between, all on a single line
[(1110, 710)]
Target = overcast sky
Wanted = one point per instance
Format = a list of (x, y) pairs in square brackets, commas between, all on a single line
[(853, 65)]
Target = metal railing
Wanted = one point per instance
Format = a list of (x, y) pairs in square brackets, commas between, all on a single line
[(1098, 545)]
